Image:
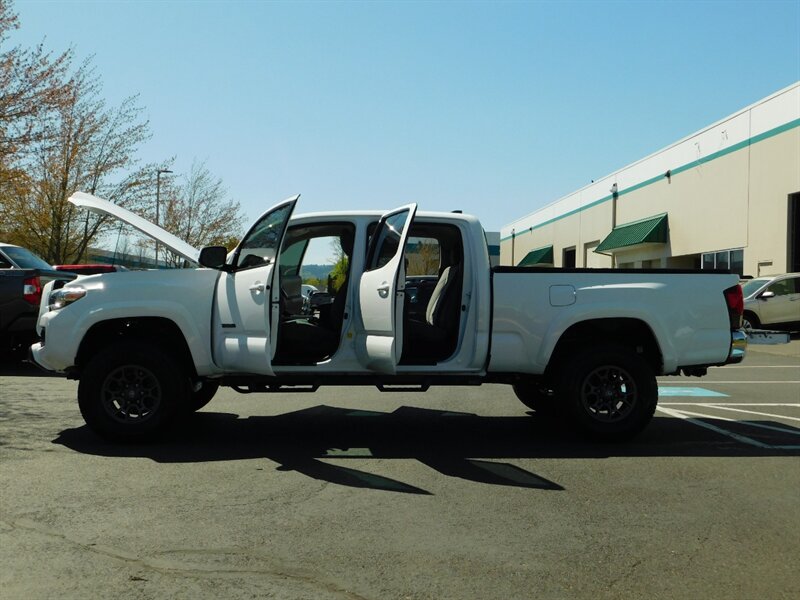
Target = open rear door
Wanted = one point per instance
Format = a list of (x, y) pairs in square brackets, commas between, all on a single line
[(382, 292)]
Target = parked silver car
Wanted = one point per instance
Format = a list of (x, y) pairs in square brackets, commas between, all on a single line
[(772, 301)]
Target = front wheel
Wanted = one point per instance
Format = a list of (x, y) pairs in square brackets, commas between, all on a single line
[(750, 321), (610, 391), (131, 391)]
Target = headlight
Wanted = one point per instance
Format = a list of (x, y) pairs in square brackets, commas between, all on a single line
[(65, 297)]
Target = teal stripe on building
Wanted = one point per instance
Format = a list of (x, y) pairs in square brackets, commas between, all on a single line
[(673, 172)]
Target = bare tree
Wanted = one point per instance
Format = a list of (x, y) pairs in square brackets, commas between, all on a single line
[(87, 147), (199, 212), (58, 136), (32, 84), (423, 258)]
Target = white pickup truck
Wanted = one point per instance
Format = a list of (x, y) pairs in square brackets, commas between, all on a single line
[(586, 344)]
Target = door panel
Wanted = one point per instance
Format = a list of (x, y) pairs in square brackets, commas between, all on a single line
[(241, 322), (381, 293), (243, 341)]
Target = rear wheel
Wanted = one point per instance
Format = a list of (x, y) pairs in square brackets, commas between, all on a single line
[(199, 398), (537, 396), (610, 392), (130, 391)]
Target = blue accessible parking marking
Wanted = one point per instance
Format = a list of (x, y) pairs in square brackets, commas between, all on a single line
[(688, 392)]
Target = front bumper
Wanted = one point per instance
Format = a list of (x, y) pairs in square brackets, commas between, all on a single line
[(58, 345), (38, 356)]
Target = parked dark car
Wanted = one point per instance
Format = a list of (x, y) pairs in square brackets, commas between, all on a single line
[(20, 295), (17, 257), (90, 269)]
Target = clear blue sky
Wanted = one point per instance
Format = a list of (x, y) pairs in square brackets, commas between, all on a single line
[(495, 108)]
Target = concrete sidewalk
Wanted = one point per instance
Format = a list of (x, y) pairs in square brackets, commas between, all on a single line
[(791, 349)]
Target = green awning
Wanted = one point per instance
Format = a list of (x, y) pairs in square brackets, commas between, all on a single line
[(647, 231), (540, 256)]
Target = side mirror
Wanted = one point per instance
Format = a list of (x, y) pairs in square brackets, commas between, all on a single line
[(213, 257), (766, 295)]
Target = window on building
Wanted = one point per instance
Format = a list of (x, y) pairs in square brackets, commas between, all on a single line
[(568, 261), (732, 260), (737, 261)]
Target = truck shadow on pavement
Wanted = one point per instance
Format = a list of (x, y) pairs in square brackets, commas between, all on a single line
[(13, 366), (461, 445)]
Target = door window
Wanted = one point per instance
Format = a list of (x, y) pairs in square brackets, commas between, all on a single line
[(785, 287), (385, 246), (260, 245)]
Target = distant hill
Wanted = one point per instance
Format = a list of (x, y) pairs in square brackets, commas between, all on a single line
[(316, 271)]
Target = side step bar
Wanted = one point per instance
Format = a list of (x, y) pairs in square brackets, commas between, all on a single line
[(423, 387)]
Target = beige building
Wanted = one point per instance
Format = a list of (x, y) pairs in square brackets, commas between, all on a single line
[(726, 197)]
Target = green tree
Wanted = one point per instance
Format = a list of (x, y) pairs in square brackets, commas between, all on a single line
[(339, 272)]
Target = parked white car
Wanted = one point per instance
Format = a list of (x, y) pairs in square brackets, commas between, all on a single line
[(772, 301)]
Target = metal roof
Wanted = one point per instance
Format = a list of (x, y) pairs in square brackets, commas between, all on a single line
[(539, 256), (646, 231)]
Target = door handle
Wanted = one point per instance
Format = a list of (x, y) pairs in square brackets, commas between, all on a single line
[(257, 288), (383, 291)]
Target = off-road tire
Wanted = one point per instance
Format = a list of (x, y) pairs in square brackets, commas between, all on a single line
[(609, 391), (131, 391), (201, 397), (538, 397)]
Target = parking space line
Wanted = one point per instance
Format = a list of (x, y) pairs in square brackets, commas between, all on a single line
[(696, 419), (726, 367), (738, 382), (739, 438), (792, 404), (752, 412), (749, 423)]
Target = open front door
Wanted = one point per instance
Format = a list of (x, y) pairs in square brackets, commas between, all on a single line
[(382, 292), (245, 296)]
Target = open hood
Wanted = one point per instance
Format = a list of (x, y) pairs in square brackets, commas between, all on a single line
[(104, 207)]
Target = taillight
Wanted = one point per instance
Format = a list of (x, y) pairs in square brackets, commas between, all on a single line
[(735, 301), (32, 290)]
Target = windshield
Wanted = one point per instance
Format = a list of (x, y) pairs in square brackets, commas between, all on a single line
[(752, 286), (25, 259)]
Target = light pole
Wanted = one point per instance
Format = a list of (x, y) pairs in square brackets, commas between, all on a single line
[(158, 203)]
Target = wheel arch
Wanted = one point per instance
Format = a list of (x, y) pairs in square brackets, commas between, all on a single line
[(752, 317), (152, 330), (630, 333)]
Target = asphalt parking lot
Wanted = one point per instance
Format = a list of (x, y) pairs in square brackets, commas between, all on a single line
[(456, 493)]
